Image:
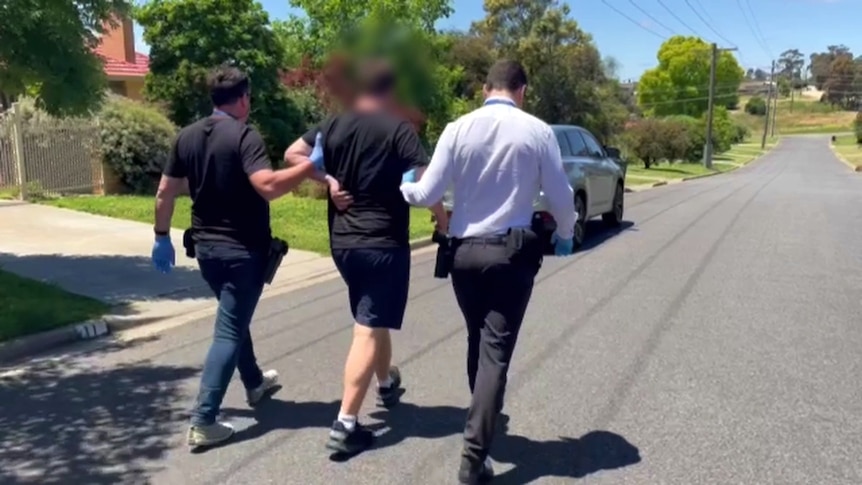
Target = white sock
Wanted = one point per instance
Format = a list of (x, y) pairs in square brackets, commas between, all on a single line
[(348, 421), (385, 383)]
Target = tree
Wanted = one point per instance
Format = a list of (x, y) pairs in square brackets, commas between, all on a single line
[(839, 84), (46, 48), (568, 79), (760, 75), (821, 63), (474, 55), (187, 38), (790, 64), (680, 83)]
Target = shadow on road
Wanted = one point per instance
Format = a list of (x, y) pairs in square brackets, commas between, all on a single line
[(111, 278), (66, 423), (565, 458), (598, 233)]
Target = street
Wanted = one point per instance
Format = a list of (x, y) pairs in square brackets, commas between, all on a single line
[(715, 339)]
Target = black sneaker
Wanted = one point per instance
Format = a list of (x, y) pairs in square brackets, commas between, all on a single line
[(472, 473), (389, 396), (350, 442)]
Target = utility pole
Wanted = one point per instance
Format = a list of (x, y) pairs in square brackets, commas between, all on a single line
[(766, 123), (775, 95), (707, 149)]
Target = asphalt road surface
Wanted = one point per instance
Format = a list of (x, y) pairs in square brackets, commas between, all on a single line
[(716, 339)]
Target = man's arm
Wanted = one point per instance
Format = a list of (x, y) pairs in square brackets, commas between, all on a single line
[(174, 183), (270, 184), (298, 153), (555, 184), (433, 180), (169, 189)]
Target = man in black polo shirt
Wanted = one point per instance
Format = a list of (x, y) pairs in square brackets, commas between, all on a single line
[(367, 150), (223, 163)]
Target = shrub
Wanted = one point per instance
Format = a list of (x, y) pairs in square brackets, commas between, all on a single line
[(857, 127), (756, 106), (136, 142), (646, 139)]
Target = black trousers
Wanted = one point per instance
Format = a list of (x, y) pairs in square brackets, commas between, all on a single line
[(493, 288)]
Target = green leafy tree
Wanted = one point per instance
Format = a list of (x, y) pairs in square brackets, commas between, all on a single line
[(46, 49), (680, 83), (790, 64), (187, 38), (568, 79)]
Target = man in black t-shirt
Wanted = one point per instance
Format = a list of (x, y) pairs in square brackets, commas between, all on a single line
[(222, 162), (367, 150)]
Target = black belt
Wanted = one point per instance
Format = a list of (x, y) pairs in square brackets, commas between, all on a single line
[(489, 240)]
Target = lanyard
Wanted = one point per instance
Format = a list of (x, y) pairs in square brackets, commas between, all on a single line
[(500, 101)]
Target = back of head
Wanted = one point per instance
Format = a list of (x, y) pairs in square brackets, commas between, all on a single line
[(227, 85), (375, 77), (506, 75)]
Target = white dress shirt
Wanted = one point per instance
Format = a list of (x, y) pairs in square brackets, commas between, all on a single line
[(497, 159)]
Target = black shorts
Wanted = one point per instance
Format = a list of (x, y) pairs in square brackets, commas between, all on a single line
[(378, 281)]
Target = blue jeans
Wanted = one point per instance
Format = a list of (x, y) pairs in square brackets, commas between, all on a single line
[(236, 278)]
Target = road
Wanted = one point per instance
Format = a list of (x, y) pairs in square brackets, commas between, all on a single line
[(716, 339)]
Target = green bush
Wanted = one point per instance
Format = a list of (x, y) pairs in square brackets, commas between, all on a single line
[(756, 106), (136, 142), (857, 127)]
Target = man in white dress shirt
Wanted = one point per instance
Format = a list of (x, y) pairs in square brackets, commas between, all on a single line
[(498, 158)]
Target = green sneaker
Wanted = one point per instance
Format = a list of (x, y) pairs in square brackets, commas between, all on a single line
[(270, 380), (209, 435)]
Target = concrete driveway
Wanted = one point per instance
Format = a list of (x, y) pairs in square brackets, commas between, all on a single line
[(715, 340)]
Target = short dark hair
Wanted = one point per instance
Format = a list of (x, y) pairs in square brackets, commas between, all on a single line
[(375, 77), (506, 75), (227, 84)]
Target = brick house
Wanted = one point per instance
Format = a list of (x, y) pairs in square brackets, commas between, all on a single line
[(124, 67)]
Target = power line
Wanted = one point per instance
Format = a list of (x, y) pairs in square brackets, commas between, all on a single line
[(674, 15), (751, 28), (649, 15), (758, 29), (615, 9), (708, 25)]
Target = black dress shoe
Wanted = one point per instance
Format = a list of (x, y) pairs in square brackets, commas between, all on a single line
[(472, 473)]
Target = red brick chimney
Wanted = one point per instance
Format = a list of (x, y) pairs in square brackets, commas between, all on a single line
[(119, 42)]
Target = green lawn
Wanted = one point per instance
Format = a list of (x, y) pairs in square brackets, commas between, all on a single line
[(28, 307), (736, 157), (848, 149), (299, 220)]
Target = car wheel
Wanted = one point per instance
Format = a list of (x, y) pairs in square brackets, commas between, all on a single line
[(615, 217), (581, 223)]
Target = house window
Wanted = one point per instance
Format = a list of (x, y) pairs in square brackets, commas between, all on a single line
[(117, 87)]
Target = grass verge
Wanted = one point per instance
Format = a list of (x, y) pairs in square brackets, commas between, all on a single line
[(299, 220), (732, 159), (847, 148), (29, 307), (801, 116)]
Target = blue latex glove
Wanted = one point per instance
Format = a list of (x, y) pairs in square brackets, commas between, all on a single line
[(316, 156), (409, 176), (563, 247), (164, 257)]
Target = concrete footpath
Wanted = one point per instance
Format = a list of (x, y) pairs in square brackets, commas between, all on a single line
[(109, 260)]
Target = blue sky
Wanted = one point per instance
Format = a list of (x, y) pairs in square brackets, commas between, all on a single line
[(807, 25)]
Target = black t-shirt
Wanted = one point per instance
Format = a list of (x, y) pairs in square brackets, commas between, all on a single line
[(368, 153), (218, 154)]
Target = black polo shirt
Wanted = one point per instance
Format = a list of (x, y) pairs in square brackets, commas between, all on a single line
[(218, 154), (368, 153)]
